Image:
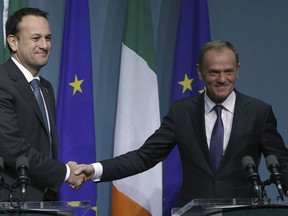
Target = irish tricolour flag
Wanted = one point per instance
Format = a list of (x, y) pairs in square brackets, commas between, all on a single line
[(137, 114)]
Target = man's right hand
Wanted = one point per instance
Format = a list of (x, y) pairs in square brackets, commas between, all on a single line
[(86, 169)]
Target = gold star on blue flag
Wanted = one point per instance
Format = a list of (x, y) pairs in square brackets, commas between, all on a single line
[(193, 33), (75, 107), (76, 85), (186, 83)]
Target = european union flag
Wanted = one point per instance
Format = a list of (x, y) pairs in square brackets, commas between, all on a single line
[(193, 33), (75, 112)]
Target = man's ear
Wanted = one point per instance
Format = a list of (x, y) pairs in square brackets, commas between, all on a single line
[(199, 72), (12, 42), (238, 67)]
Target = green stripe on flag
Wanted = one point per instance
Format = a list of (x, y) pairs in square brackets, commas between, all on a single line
[(138, 114), (14, 5), (138, 34)]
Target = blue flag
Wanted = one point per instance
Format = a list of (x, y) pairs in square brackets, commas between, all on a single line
[(193, 33), (75, 112)]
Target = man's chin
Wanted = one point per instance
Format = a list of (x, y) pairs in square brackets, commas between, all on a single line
[(41, 64), (219, 98), (42, 61)]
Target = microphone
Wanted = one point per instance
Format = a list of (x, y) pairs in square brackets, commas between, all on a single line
[(252, 172), (22, 167), (275, 177)]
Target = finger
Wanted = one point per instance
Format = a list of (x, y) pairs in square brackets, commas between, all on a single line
[(78, 171)]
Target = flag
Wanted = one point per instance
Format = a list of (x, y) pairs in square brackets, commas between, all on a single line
[(9, 7), (138, 114), (75, 112), (193, 33)]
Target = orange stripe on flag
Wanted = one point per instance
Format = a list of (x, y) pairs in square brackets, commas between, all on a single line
[(123, 205)]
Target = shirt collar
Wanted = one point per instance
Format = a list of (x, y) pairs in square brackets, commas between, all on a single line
[(228, 104), (29, 77)]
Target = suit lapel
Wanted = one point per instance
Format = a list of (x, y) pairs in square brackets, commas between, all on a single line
[(47, 98), (24, 88), (238, 125), (48, 95), (198, 122)]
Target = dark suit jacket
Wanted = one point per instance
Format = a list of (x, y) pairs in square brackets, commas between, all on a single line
[(253, 132), (22, 132)]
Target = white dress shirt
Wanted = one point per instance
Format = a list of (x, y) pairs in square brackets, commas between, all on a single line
[(227, 117)]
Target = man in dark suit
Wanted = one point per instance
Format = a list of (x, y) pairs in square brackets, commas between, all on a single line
[(248, 129), (24, 130)]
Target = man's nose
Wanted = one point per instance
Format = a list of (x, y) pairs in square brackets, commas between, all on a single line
[(221, 77), (43, 43)]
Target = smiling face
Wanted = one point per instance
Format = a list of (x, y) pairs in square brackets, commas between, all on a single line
[(32, 44), (219, 71)]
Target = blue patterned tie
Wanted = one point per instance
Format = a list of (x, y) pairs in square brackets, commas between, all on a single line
[(35, 83), (216, 144)]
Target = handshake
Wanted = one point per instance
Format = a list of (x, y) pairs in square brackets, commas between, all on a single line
[(79, 174)]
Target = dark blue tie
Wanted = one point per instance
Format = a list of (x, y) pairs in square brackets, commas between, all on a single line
[(35, 83), (216, 144)]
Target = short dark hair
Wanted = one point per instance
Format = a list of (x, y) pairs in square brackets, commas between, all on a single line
[(217, 45), (12, 24)]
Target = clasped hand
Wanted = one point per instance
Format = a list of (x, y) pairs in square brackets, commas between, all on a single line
[(79, 174)]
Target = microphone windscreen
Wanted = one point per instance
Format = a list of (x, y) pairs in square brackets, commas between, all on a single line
[(271, 160), (22, 161), (247, 160)]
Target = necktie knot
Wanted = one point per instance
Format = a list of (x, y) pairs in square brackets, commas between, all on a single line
[(218, 109), (35, 83)]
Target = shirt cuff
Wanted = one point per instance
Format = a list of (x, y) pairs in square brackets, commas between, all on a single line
[(67, 172), (98, 171)]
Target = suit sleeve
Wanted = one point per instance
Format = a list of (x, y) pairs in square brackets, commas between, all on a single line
[(273, 144), (22, 135), (155, 149)]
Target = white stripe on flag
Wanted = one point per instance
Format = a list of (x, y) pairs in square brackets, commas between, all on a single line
[(138, 116), (5, 17)]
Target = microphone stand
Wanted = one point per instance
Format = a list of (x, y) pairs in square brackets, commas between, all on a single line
[(268, 182), (264, 192), (22, 182)]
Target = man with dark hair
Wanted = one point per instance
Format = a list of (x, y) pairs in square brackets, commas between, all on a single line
[(27, 112), (214, 131)]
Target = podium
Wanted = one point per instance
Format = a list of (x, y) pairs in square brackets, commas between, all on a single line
[(233, 207), (71, 208)]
